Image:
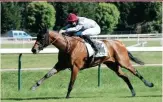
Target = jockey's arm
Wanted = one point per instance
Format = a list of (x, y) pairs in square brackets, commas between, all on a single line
[(66, 27), (63, 30), (74, 29)]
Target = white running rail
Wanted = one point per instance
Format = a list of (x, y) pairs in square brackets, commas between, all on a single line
[(55, 50)]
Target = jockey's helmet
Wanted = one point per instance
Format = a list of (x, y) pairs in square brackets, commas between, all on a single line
[(72, 18)]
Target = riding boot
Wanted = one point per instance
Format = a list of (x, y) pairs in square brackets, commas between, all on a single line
[(88, 39)]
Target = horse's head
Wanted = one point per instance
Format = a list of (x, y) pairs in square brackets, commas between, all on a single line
[(44, 38), (41, 41)]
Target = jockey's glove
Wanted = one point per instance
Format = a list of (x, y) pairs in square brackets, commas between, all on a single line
[(79, 33)]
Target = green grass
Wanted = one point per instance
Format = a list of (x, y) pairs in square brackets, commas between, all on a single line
[(16, 45), (153, 43), (49, 60), (149, 57), (29, 60), (25, 45), (112, 89), (129, 43), (148, 44)]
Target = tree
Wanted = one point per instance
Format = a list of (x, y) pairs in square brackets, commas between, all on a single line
[(146, 15), (23, 8), (150, 14), (125, 10), (61, 14), (11, 16), (40, 14), (84, 9), (107, 16), (153, 14)]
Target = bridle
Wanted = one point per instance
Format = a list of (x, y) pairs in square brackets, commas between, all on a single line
[(46, 41)]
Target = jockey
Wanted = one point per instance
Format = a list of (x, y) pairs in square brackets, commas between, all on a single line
[(83, 27)]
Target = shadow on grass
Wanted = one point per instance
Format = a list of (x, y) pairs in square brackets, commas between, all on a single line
[(34, 98), (47, 98), (43, 98), (140, 96)]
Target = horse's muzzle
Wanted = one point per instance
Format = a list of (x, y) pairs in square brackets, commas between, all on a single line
[(34, 51)]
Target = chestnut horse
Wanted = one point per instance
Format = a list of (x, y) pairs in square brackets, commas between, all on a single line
[(73, 54)]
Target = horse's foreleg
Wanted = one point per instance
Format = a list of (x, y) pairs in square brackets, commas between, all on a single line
[(49, 74), (74, 73)]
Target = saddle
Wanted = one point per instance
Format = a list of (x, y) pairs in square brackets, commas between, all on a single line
[(92, 54), (95, 48)]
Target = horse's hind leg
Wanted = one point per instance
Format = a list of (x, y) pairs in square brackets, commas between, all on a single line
[(115, 67), (127, 64), (136, 73), (53, 71), (149, 84)]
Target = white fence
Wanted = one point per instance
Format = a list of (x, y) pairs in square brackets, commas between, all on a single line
[(55, 50), (127, 36), (99, 37)]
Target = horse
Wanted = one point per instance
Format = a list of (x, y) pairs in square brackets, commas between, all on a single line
[(73, 55)]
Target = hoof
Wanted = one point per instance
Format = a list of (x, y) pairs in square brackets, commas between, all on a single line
[(151, 85), (133, 93), (67, 97), (148, 83), (33, 88)]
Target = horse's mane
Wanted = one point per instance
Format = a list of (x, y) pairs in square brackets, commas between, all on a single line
[(69, 36)]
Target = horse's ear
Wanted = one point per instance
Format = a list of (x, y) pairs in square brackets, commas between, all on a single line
[(39, 32), (43, 29), (40, 29)]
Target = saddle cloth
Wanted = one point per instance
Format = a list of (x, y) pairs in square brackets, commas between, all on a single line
[(102, 50)]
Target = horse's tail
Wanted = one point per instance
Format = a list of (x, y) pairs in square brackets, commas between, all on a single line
[(134, 59)]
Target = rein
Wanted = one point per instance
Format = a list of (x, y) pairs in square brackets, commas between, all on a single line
[(67, 43), (54, 40)]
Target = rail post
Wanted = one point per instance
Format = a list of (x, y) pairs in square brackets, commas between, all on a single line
[(19, 72), (99, 72)]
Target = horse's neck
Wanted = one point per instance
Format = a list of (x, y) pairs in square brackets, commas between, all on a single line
[(62, 43)]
